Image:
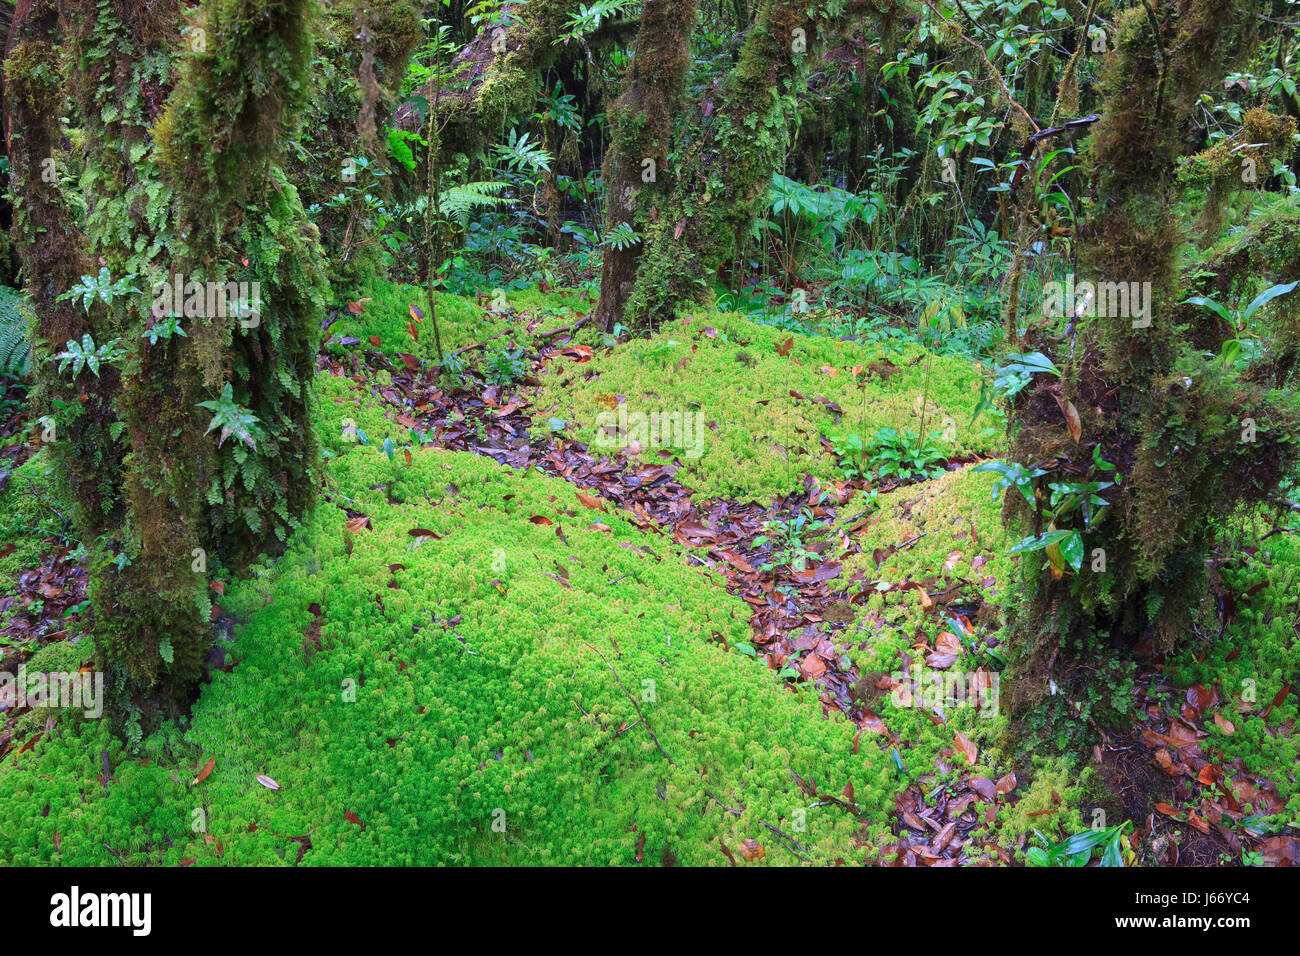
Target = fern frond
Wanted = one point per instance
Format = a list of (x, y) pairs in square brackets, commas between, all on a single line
[(460, 201), (15, 349)]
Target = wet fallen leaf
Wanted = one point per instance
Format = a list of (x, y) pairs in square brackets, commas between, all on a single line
[(966, 746), (948, 643), (206, 771)]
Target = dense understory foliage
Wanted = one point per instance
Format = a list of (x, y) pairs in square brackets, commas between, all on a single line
[(798, 278)]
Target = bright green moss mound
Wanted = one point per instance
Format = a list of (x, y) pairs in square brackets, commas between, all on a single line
[(462, 321), (958, 519), (462, 681), (762, 424), (1258, 654), (958, 545), (28, 515)]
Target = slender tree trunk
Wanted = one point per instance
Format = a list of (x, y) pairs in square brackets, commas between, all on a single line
[(49, 244), (641, 126), (723, 174)]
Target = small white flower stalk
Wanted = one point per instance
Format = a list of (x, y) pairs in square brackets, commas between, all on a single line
[(1128, 300)]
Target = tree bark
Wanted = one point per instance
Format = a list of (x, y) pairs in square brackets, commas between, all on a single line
[(1146, 398), (641, 127), (180, 184), (723, 174), (48, 241)]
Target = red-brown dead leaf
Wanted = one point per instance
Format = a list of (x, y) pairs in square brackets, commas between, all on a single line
[(966, 746), (948, 643), (206, 771)]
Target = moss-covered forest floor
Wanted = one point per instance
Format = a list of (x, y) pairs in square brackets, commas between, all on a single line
[(507, 637)]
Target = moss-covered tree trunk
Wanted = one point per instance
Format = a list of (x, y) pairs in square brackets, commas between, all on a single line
[(1192, 438), (495, 77), (49, 240), (363, 50), (207, 454), (641, 127), (725, 169)]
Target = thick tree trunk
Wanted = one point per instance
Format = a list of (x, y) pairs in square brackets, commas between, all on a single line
[(636, 164), (724, 173), (1146, 398), (187, 196)]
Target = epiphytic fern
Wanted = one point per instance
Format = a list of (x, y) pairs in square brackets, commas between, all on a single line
[(15, 349)]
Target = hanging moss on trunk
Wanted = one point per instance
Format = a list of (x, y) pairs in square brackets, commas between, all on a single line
[(207, 399), (636, 171), (1193, 438), (724, 168), (244, 223), (49, 241), (495, 77), (721, 175), (1246, 157), (152, 608), (363, 51), (1267, 252)]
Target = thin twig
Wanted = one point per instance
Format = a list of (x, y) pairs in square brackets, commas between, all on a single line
[(635, 706), (568, 328), (993, 70)]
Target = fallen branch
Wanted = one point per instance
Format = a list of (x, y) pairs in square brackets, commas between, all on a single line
[(568, 328)]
